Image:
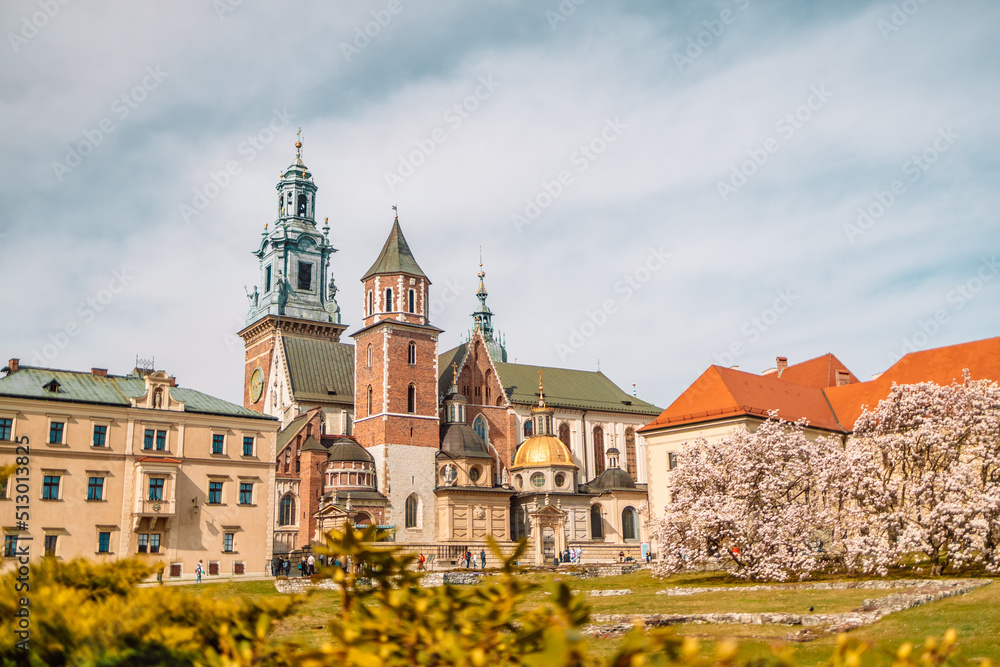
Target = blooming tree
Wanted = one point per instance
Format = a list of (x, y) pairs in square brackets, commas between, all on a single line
[(752, 500), (926, 469)]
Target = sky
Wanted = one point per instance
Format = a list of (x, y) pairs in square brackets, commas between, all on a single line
[(656, 186)]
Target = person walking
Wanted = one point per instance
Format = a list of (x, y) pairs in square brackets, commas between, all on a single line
[(287, 566), (468, 558), (312, 564), (482, 557), (422, 561), (198, 569)]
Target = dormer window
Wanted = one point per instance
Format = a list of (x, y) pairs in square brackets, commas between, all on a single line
[(305, 276), (51, 386)]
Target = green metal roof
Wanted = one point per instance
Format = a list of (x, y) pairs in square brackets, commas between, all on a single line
[(81, 387), (564, 387), (320, 370), (445, 360), (567, 388), (395, 256), (286, 434)]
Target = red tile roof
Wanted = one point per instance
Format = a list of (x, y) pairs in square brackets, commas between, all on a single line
[(722, 392), (820, 372), (809, 390)]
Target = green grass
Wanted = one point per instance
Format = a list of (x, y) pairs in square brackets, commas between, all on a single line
[(975, 616)]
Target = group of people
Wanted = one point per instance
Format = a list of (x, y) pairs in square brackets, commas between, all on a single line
[(470, 560), (572, 555), (283, 566)]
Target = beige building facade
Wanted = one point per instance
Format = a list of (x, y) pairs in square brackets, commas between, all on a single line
[(122, 466)]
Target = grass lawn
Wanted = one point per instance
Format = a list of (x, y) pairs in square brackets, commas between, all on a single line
[(975, 616)]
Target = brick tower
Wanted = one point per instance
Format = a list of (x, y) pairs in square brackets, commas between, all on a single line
[(396, 397)]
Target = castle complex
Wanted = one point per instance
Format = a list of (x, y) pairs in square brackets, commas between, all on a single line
[(441, 449)]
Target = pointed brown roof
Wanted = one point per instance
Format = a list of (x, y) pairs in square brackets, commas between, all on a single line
[(395, 257)]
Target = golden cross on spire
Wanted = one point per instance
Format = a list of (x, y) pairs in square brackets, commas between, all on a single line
[(298, 146), (541, 391)]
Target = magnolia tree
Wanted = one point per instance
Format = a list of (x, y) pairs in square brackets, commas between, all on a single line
[(926, 465), (919, 475), (752, 500)]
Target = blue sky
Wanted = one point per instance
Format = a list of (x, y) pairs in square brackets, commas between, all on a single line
[(656, 185)]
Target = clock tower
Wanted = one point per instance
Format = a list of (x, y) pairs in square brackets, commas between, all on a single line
[(294, 358)]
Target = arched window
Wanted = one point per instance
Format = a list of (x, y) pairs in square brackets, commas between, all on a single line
[(527, 428), (303, 204), (630, 462), (480, 427), (628, 524), (363, 519), (412, 510), (596, 523), (369, 412), (564, 433), (411, 399), (371, 303), (598, 450), (487, 389), (389, 305), (453, 417), (411, 301), (286, 511), (411, 353), (369, 355)]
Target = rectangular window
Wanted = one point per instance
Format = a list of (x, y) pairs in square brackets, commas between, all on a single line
[(156, 488), (267, 280), (154, 543), (95, 488), (6, 426), (218, 443), (50, 487), (9, 546), (104, 542), (227, 542), (161, 440), (215, 493), (100, 435), (143, 542), (246, 493), (672, 460), (56, 433), (305, 275), (147, 439), (3, 488), (50, 545), (248, 445)]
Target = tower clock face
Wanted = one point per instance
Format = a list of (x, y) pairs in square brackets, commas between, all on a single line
[(256, 384)]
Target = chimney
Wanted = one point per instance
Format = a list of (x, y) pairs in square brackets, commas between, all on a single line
[(843, 377), (14, 363), (782, 364), (99, 372)]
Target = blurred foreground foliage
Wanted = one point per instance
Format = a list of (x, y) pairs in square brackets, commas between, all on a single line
[(90, 614)]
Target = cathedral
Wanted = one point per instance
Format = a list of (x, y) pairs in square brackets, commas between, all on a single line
[(440, 449)]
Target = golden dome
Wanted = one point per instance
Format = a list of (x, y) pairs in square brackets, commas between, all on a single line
[(542, 450)]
